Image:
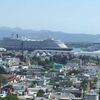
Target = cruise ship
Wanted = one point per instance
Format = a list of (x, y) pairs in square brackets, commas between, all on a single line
[(28, 44)]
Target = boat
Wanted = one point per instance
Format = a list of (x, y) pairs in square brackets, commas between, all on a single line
[(29, 44)]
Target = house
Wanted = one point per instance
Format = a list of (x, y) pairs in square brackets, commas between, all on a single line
[(91, 96), (18, 88), (3, 94), (12, 61), (33, 91), (98, 84)]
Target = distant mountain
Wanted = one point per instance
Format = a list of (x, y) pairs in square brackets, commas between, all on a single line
[(44, 34)]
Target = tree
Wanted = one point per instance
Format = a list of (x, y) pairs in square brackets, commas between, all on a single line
[(2, 70), (40, 93), (75, 72), (10, 97), (56, 86), (33, 83), (84, 84), (93, 83), (2, 80), (67, 83)]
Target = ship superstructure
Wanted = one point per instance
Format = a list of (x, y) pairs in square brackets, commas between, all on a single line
[(28, 44)]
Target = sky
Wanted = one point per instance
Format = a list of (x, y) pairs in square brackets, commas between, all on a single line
[(70, 16)]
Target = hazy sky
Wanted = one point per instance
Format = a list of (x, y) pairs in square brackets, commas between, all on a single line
[(74, 16)]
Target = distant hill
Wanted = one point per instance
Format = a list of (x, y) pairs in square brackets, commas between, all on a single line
[(44, 34)]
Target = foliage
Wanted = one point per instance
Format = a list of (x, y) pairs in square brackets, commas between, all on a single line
[(84, 84), (47, 64), (7, 87), (99, 94), (53, 80), (10, 97), (67, 83), (33, 83), (60, 59), (56, 86), (2, 70), (40, 93), (93, 83), (2, 80), (75, 72)]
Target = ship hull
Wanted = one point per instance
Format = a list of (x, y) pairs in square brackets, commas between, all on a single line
[(11, 44)]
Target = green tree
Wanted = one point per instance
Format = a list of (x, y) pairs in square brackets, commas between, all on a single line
[(67, 83), (10, 97), (33, 83), (40, 93), (84, 84), (2, 80), (2, 70), (56, 86), (75, 72), (93, 83)]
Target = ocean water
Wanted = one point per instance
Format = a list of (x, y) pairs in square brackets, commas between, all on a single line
[(77, 50)]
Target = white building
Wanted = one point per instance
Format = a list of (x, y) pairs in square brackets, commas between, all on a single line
[(92, 96)]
